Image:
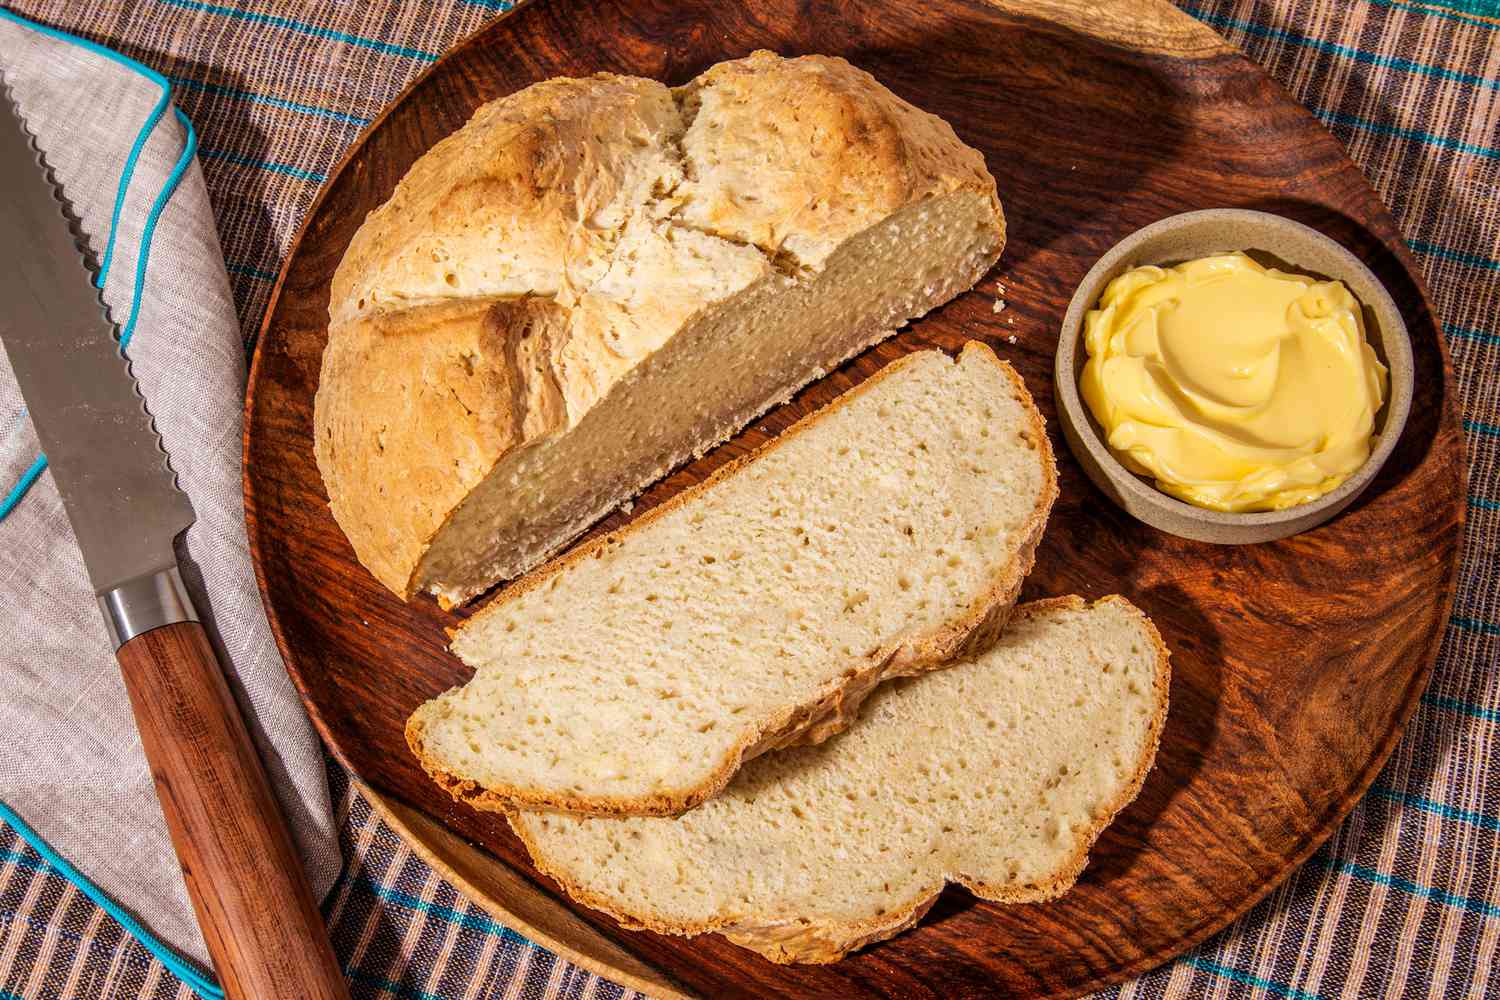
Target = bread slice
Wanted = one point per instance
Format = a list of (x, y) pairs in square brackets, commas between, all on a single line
[(998, 774), (878, 537), (596, 280)]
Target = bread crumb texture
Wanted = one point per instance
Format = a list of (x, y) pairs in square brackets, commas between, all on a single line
[(998, 774), (877, 537), (597, 279)]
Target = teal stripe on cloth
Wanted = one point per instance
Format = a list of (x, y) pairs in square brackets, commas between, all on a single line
[(1465, 333), (1462, 707), (1457, 256), (1333, 48), (1481, 503), (1475, 625), (22, 859), (176, 964), (1479, 8), (240, 159), (1480, 427), (1452, 13), (125, 178), (274, 21), (148, 235), (1436, 808), (469, 921), (391, 986), (217, 90), (1409, 887), (1246, 979), (1415, 135), (22, 486)]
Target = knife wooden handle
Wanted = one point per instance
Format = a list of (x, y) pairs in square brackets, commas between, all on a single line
[(246, 881)]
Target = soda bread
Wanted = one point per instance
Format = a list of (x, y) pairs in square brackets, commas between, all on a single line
[(595, 280), (878, 537), (997, 774)]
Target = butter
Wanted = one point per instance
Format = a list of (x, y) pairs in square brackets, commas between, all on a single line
[(1236, 387)]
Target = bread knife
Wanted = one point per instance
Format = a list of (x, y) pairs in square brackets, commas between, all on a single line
[(243, 875)]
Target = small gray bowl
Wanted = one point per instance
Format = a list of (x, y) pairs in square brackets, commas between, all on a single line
[(1274, 241)]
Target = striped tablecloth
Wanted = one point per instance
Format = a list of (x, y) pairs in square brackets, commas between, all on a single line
[(1403, 900)]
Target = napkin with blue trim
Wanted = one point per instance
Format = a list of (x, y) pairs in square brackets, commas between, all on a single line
[(72, 773)]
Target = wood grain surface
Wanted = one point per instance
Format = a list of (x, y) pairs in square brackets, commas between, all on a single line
[(1295, 663), (251, 896)]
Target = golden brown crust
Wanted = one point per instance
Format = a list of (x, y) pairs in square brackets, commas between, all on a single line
[(528, 203), (811, 722), (808, 943), (873, 154), (423, 389), (786, 939), (409, 419), (524, 199)]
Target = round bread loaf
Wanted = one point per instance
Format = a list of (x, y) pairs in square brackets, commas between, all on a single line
[(595, 280)]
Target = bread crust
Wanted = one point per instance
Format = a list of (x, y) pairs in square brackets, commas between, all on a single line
[(810, 722), (874, 154), (559, 174), (405, 425), (787, 939)]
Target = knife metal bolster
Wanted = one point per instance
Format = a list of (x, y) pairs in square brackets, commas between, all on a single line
[(145, 603)]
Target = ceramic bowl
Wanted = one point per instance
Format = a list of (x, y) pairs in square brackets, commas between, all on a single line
[(1274, 241)]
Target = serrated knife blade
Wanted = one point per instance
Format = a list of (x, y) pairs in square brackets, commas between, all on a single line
[(243, 875), (101, 445)]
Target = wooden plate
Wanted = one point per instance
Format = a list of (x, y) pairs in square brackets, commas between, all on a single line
[(1295, 663)]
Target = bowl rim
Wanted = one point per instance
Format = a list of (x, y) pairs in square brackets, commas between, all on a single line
[(1070, 341)]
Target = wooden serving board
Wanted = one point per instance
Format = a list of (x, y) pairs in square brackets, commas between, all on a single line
[(1295, 664)]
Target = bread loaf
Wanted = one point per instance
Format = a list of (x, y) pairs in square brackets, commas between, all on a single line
[(595, 280), (878, 537), (998, 774)]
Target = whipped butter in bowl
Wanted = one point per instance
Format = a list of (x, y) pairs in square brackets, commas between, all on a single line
[(1236, 387), (1226, 395)]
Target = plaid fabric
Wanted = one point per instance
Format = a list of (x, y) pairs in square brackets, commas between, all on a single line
[(1403, 900), (399, 930)]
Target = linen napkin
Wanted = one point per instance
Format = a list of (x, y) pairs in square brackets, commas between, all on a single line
[(72, 766)]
